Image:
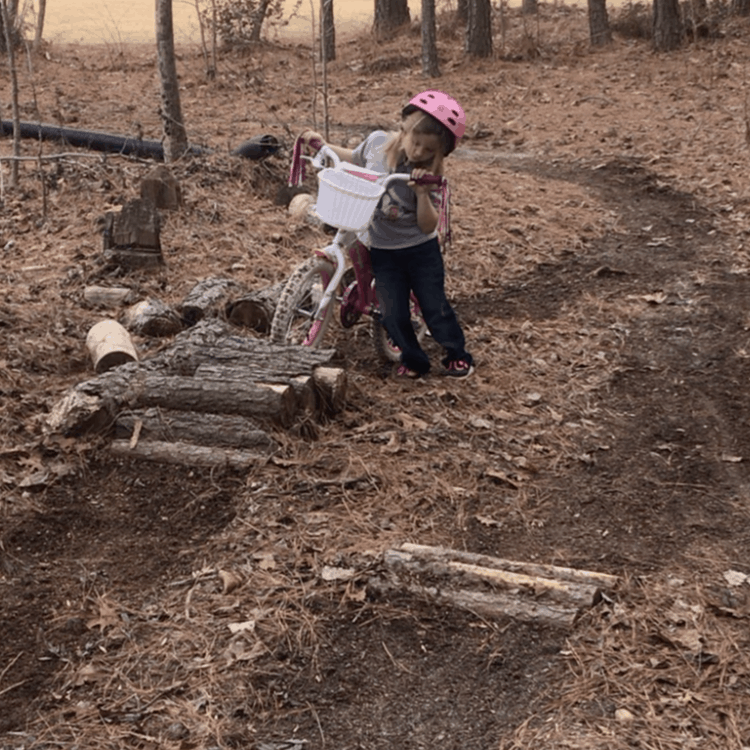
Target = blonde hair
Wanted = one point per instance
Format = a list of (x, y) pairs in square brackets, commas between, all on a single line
[(422, 124)]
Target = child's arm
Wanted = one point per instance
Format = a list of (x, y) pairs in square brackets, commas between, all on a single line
[(427, 215), (310, 137)]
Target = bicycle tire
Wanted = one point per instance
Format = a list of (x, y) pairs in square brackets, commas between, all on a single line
[(292, 320), (384, 345)]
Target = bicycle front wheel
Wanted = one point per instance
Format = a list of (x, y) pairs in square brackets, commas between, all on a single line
[(294, 322)]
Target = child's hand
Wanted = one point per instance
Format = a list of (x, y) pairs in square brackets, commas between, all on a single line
[(417, 174), (312, 141)]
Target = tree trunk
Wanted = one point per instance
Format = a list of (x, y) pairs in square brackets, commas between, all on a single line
[(40, 24), (8, 29), (667, 25), (529, 7), (479, 29), (599, 30), (390, 15), (258, 18), (462, 11), (741, 7), (327, 31), (175, 135), (430, 64)]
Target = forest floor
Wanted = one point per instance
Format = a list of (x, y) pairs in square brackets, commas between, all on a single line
[(601, 269)]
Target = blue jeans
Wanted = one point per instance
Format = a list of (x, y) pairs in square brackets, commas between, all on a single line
[(419, 269)]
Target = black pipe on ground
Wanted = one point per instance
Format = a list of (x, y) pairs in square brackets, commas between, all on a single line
[(257, 147)]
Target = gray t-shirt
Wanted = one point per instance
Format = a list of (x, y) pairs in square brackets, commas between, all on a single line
[(394, 224)]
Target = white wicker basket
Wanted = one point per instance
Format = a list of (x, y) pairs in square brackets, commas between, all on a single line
[(346, 201)]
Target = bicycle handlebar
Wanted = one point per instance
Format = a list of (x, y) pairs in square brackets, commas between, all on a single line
[(325, 151)]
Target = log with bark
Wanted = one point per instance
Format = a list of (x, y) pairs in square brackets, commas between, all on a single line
[(256, 309), (161, 187), (131, 236), (209, 298), (491, 586), (214, 430), (151, 317), (104, 296), (207, 371), (187, 454)]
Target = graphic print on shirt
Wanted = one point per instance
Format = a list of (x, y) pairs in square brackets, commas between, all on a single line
[(394, 207)]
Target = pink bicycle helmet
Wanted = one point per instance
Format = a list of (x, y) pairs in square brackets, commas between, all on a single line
[(444, 108)]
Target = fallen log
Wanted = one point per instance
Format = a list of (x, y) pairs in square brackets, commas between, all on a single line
[(186, 454), (151, 317), (96, 403), (256, 309), (302, 385), (208, 299), (104, 296), (216, 430), (597, 580), (492, 586)]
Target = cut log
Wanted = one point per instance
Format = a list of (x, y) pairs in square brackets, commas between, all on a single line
[(104, 296), (162, 188), (492, 586), (209, 298), (331, 383), (220, 430), (110, 345), (255, 310), (592, 578), (302, 385), (213, 341), (270, 401), (131, 236), (187, 454), (151, 317), (138, 387), (487, 604)]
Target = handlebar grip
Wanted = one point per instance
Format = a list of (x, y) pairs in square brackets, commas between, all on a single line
[(430, 179), (315, 143)]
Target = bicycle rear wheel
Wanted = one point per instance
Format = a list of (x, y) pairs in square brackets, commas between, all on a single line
[(293, 321)]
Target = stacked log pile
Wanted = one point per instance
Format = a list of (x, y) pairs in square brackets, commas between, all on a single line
[(212, 397)]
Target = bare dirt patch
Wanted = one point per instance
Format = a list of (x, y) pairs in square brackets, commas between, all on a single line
[(601, 271)]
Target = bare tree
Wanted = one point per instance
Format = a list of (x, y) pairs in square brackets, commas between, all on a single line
[(462, 11), (327, 31), (741, 7), (40, 24), (390, 15), (258, 17), (10, 46), (479, 29), (529, 7), (668, 31), (175, 135), (10, 34), (430, 64), (599, 31)]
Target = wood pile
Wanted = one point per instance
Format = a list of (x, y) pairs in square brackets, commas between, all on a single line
[(213, 397)]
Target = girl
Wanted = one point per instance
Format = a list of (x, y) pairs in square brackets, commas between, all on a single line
[(403, 234)]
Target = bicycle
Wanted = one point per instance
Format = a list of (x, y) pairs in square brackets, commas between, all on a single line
[(347, 199)]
